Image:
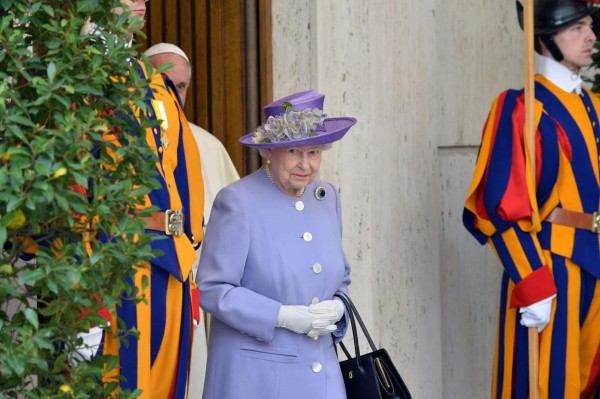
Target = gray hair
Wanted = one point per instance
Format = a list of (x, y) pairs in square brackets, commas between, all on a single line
[(263, 151)]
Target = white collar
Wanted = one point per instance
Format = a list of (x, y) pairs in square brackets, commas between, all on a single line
[(559, 74), (93, 29)]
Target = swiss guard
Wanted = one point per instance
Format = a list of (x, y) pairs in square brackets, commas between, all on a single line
[(545, 234)]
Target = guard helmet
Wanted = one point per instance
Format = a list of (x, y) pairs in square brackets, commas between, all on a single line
[(550, 16)]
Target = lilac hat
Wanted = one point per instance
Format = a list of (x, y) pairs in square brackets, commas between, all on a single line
[(297, 120)]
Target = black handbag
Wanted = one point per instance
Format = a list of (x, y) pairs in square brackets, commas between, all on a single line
[(372, 375)]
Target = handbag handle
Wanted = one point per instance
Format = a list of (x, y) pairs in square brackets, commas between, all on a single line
[(352, 312)]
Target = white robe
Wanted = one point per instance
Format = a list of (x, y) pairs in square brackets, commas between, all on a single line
[(218, 171)]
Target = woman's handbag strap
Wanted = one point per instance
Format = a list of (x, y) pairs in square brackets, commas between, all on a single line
[(354, 313), (354, 335)]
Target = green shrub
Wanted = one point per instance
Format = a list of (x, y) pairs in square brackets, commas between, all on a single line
[(595, 77), (61, 93)]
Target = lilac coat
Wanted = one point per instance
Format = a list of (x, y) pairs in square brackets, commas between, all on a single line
[(264, 249)]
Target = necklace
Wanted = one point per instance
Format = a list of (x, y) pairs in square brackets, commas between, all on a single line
[(268, 173)]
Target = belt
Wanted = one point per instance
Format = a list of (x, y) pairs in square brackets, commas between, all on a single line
[(579, 220), (170, 222)]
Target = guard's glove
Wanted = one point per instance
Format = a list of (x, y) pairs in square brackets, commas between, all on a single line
[(537, 314), (90, 346), (299, 319)]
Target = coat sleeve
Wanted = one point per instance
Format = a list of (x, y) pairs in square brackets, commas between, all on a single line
[(222, 264), (342, 324), (501, 207)]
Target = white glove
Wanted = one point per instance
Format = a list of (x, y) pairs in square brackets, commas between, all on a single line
[(334, 307), (318, 332), (91, 343), (299, 319), (537, 314)]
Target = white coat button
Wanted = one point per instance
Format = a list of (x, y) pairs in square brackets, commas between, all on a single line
[(317, 367), (314, 301), (307, 236), (299, 205), (317, 268)]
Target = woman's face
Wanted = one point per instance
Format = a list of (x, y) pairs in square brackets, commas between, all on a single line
[(293, 168), (137, 8)]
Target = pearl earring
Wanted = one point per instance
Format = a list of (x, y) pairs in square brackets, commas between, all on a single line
[(268, 162)]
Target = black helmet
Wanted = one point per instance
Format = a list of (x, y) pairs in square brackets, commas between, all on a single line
[(550, 16)]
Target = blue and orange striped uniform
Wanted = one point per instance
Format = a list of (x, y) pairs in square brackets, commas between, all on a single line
[(157, 362), (505, 210)]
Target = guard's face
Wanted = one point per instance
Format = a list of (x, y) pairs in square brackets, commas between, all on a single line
[(293, 168), (576, 42), (137, 8)]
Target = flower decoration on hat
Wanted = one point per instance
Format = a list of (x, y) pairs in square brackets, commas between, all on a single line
[(289, 126)]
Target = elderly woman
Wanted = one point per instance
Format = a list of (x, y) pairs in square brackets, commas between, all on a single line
[(272, 262)]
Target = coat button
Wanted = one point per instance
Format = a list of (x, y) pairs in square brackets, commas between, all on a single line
[(317, 268), (317, 367), (314, 301), (299, 205), (307, 236)]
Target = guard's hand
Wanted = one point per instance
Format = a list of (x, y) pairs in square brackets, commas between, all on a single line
[(90, 345), (537, 314)]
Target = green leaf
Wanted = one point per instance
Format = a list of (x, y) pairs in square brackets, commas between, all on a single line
[(30, 276), (31, 317), (17, 364), (48, 10), (6, 4), (20, 119), (35, 7), (14, 204), (86, 6), (51, 71), (2, 236)]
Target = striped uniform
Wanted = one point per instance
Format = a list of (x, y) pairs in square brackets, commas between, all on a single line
[(158, 361), (540, 258)]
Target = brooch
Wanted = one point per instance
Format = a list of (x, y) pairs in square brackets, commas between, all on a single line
[(320, 193)]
